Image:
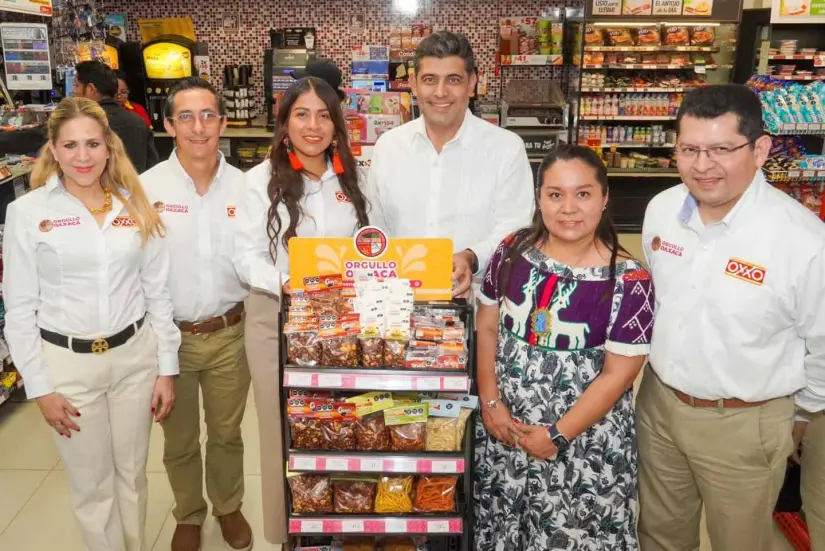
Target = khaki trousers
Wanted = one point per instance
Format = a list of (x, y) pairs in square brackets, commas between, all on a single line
[(813, 480), (731, 459), (106, 461), (213, 366), (262, 348)]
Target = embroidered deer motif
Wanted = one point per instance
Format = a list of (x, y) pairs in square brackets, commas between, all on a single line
[(574, 331), (520, 313)]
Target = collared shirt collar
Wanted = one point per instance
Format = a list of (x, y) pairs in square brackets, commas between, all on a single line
[(462, 137), (690, 206), (173, 159)]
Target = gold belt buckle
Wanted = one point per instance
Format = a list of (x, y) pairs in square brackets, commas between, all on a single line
[(100, 346)]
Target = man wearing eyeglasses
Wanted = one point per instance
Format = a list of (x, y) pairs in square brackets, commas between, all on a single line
[(739, 335), (198, 194)]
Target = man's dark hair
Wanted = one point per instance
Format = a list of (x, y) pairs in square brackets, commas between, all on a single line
[(97, 73), (445, 44), (715, 101), (192, 83)]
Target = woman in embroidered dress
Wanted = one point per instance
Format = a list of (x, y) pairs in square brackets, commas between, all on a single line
[(563, 330)]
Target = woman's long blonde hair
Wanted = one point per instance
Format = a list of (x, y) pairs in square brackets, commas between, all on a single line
[(119, 173)]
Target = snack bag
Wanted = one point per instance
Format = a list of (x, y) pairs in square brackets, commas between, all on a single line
[(593, 36), (649, 36), (337, 420), (339, 344), (395, 353), (324, 294), (435, 494), (444, 426), (677, 36), (371, 434), (394, 495), (311, 493), (408, 427), (372, 350), (702, 36), (354, 495), (451, 356), (305, 428), (618, 36), (303, 346)]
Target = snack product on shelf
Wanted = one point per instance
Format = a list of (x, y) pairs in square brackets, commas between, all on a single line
[(394, 494), (372, 351), (395, 353), (649, 36), (435, 494), (676, 35), (702, 36), (303, 346), (371, 434), (619, 36), (338, 423), (311, 493), (354, 495), (324, 294), (593, 36), (339, 343), (408, 427)]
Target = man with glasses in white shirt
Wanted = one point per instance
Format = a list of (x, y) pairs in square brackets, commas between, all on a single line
[(198, 193), (739, 336), (449, 173)]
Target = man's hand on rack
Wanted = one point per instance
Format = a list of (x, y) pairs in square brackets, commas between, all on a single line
[(58, 413), (463, 273), (287, 288), (537, 443), (163, 397)]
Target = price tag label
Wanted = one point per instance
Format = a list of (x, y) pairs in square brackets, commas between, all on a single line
[(700, 69), (366, 383), (326, 380), (312, 527), (794, 174), (299, 379), (820, 173), (438, 526), (372, 465), (304, 463), (404, 466), (428, 383), (352, 526), (337, 464), (395, 526), (816, 127), (808, 173), (802, 126), (454, 383), (444, 467)]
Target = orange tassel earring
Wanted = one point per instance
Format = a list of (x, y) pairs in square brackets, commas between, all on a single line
[(294, 161), (337, 165)]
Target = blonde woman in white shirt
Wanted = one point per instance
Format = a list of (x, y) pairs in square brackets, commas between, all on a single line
[(89, 318), (307, 187)]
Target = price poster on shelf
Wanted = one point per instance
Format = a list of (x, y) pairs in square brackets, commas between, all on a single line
[(667, 7), (26, 54), (427, 263), (36, 7)]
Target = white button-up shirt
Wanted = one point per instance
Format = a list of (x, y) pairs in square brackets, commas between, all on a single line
[(476, 191), (740, 304), (200, 232), (64, 273), (327, 212)]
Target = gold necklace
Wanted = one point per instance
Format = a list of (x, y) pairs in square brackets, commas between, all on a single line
[(107, 206)]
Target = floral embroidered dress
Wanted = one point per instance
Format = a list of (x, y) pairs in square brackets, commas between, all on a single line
[(555, 324)]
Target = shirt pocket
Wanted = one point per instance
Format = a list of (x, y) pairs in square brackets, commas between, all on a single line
[(746, 311)]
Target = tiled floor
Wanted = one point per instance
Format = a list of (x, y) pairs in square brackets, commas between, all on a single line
[(34, 504)]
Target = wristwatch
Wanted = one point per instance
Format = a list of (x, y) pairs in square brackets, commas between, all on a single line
[(561, 442)]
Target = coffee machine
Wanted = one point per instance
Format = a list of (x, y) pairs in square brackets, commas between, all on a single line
[(166, 60)]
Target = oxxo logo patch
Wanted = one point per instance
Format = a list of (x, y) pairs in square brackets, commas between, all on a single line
[(745, 271), (124, 222), (341, 197), (230, 211)]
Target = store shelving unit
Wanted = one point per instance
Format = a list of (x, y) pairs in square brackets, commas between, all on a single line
[(626, 98), (452, 531)]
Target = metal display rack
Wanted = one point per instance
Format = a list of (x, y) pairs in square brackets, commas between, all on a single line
[(445, 532)]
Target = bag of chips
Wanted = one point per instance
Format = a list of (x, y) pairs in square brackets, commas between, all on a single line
[(311, 493), (435, 494), (394, 495), (408, 427)]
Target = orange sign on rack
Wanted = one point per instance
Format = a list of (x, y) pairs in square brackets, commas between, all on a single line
[(426, 262)]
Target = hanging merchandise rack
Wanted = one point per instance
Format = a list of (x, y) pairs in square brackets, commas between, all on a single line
[(363, 444)]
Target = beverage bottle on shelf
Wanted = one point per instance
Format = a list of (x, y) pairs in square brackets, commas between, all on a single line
[(622, 106), (603, 133)]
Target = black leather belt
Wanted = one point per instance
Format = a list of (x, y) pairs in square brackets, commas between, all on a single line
[(96, 346)]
